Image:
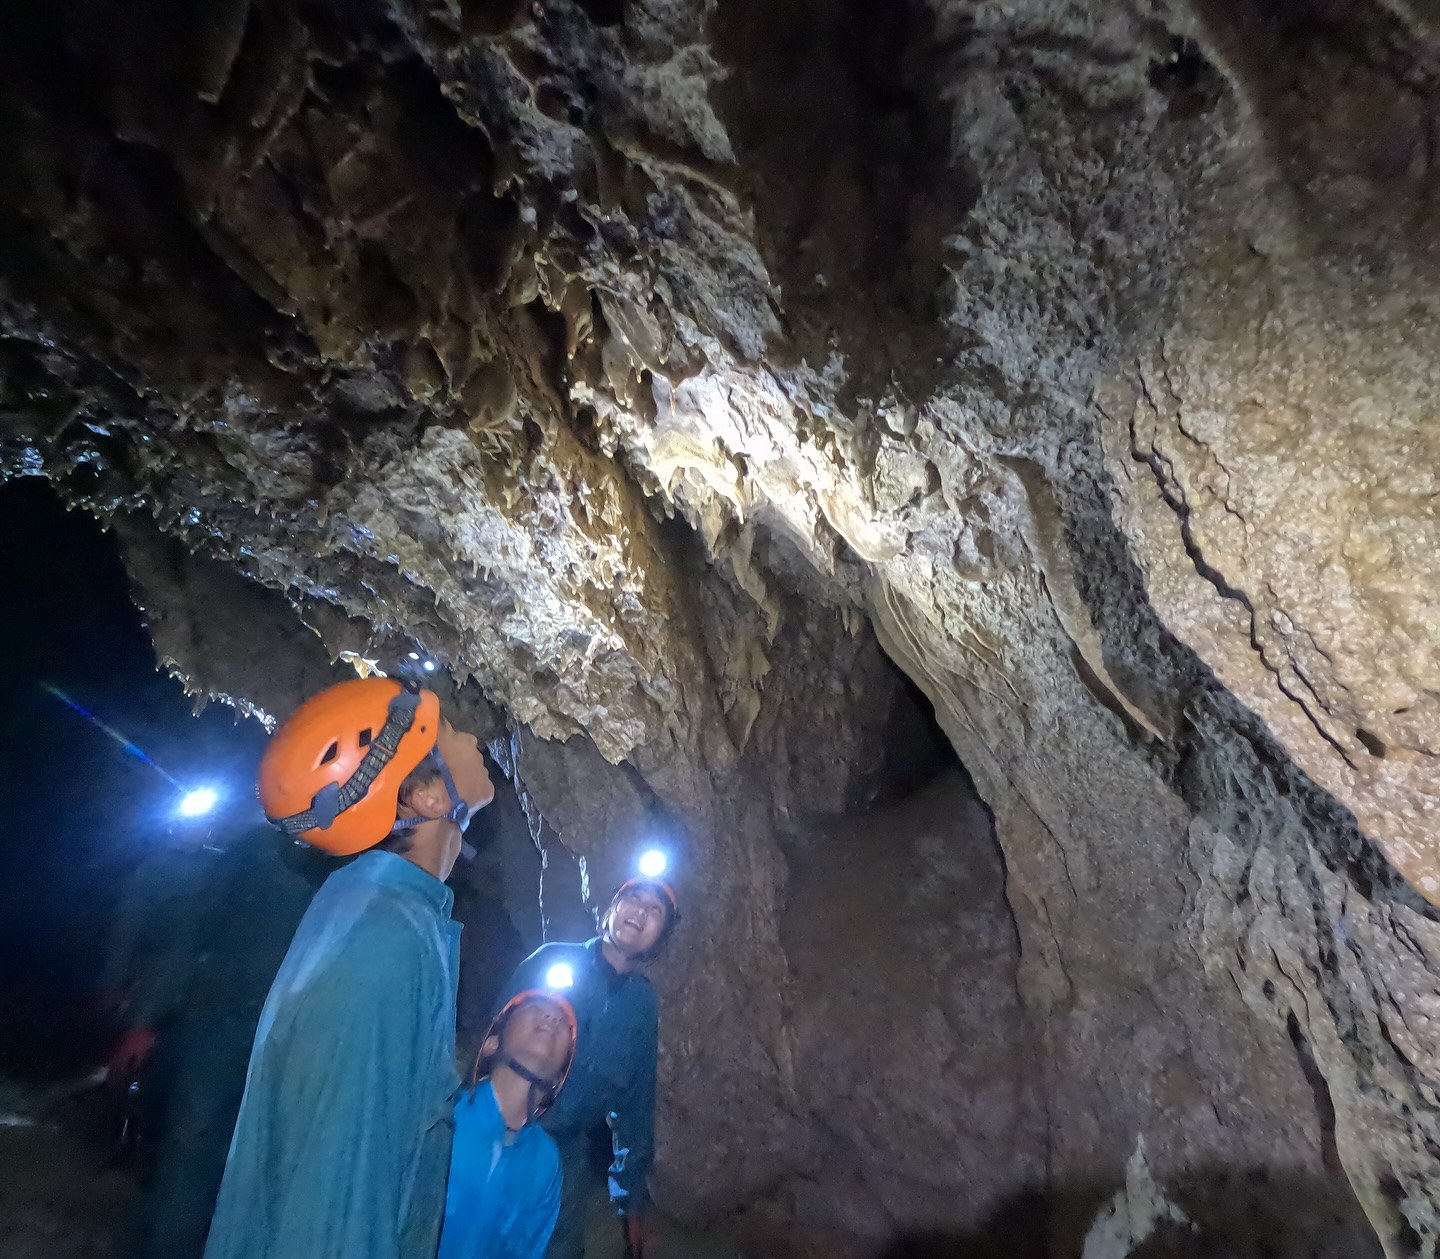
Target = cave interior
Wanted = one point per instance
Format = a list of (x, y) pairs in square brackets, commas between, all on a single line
[(960, 474)]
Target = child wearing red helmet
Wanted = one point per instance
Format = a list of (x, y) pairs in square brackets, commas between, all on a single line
[(504, 1192)]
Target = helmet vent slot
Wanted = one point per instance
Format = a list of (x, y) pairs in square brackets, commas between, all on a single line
[(365, 737), (330, 754)]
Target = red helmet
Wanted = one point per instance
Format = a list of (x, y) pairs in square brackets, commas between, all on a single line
[(331, 774)]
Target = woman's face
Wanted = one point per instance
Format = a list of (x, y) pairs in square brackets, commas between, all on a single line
[(637, 920)]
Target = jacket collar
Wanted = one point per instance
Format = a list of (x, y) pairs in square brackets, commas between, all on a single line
[(612, 977), (392, 870)]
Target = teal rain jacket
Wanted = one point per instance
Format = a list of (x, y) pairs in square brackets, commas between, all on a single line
[(504, 1189), (342, 1146), (612, 1080)]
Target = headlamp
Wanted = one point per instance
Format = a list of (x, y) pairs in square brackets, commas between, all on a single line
[(198, 802), (416, 669), (560, 977)]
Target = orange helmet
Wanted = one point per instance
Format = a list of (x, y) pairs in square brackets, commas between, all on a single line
[(331, 775)]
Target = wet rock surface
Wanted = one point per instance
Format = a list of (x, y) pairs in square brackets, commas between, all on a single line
[(662, 367), (60, 1199)]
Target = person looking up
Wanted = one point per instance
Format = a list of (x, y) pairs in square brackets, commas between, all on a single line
[(612, 1081), (504, 1191), (342, 1143)]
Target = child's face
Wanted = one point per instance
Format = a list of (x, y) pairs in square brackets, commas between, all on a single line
[(537, 1035)]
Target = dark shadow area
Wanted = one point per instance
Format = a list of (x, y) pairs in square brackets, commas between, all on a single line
[(913, 752), (851, 172), (1017, 1231), (916, 749), (117, 911), (82, 810), (1230, 1214)]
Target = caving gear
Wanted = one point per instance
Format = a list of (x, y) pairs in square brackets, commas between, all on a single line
[(460, 813), (543, 1091), (332, 773), (665, 891), (343, 1140), (611, 1081), (504, 1191)]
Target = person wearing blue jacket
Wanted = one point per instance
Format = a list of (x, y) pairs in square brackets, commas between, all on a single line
[(342, 1144), (612, 1081), (504, 1191)]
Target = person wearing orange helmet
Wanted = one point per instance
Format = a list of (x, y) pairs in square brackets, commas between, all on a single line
[(342, 1143), (504, 1191)]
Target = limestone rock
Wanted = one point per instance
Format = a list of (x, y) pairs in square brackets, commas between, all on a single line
[(655, 364)]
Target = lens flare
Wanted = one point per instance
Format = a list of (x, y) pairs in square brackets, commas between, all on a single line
[(560, 976), (199, 802), (109, 731), (653, 863)]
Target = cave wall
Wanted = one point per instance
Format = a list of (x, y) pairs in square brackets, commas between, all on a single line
[(913, 1056), (636, 358)]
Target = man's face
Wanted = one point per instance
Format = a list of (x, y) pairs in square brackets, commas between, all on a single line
[(637, 920), (467, 765), (538, 1037)]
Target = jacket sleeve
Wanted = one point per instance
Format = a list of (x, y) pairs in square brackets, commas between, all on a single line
[(351, 1105), (632, 1120)]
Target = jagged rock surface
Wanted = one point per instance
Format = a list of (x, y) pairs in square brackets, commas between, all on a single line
[(632, 356)]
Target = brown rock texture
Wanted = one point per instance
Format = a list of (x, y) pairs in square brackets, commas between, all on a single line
[(662, 366)]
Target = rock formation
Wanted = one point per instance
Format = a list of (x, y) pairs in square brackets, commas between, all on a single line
[(657, 363)]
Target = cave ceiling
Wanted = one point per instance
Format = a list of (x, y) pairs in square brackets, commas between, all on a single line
[(649, 362)]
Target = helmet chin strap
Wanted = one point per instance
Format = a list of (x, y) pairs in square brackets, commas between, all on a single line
[(542, 1091), (460, 813)]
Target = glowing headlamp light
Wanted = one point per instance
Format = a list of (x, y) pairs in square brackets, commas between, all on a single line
[(414, 667), (560, 977), (653, 863), (199, 802)]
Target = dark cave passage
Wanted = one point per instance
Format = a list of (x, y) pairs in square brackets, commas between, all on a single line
[(81, 812)]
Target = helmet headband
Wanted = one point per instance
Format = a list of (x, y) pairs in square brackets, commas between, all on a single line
[(333, 799)]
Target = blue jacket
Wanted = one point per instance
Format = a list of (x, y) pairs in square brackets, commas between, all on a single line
[(504, 1191), (613, 1077), (343, 1141)]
